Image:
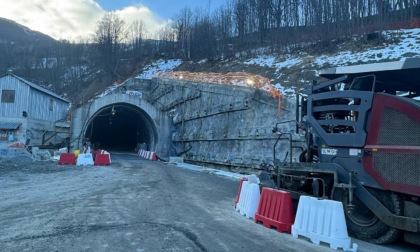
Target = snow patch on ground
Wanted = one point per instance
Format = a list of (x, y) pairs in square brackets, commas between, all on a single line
[(271, 61), (151, 70), (287, 63), (408, 45), (108, 90), (263, 60), (231, 175), (285, 91)]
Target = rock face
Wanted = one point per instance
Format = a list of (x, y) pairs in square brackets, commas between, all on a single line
[(212, 124), (223, 124)]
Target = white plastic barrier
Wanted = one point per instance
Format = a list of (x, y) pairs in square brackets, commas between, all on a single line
[(248, 199), (322, 221), (253, 179), (84, 159)]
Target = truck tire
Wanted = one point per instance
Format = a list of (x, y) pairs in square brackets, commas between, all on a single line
[(363, 224)]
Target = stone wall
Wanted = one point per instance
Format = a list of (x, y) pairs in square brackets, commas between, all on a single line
[(221, 124)]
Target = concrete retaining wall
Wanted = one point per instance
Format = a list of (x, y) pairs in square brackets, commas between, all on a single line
[(204, 123), (221, 124)]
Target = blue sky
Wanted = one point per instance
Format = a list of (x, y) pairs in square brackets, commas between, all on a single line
[(77, 19), (163, 8)]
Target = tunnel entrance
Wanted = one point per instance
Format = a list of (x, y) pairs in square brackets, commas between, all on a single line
[(121, 127)]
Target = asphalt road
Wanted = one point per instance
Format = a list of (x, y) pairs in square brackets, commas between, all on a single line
[(132, 205)]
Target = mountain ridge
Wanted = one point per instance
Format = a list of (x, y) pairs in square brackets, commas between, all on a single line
[(13, 32)]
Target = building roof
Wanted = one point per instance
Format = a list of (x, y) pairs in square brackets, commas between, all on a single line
[(9, 125), (41, 89)]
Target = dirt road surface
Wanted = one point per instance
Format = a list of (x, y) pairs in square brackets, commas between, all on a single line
[(132, 205)]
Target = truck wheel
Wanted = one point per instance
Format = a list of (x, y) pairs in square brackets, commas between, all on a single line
[(363, 224)]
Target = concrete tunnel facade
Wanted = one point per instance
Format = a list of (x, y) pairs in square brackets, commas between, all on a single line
[(121, 122), (204, 123)]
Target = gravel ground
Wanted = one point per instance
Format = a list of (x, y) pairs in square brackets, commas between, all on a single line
[(132, 205), (129, 206)]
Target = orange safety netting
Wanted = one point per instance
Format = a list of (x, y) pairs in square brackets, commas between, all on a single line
[(233, 78)]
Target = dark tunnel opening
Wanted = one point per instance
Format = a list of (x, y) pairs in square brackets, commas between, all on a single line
[(120, 127)]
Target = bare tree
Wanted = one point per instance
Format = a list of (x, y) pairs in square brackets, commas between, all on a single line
[(109, 38), (166, 40), (224, 28), (203, 39), (137, 34), (183, 25)]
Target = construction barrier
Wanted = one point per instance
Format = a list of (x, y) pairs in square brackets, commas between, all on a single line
[(140, 153), (322, 221), (85, 159), (153, 156), (253, 179), (239, 190), (275, 209), (102, 159), (248, 199), (150, 155), (67, 159), (104, 152)]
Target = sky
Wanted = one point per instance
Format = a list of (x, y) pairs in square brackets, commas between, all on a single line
[(75, 19)]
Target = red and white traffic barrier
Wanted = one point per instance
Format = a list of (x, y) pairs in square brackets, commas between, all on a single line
[(149, 155)]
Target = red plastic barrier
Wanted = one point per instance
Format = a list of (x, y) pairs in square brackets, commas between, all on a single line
[(102, 159), (153, 156), (275, 209), (67, 159), (239, 190)]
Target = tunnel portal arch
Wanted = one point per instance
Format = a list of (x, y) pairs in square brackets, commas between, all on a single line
[(121, 126)]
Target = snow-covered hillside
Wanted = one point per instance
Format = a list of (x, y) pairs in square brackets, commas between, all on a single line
[(154, 68), (289, 69)]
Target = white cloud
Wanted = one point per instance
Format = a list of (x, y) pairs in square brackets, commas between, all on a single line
[(152, 22), (71, 19)]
